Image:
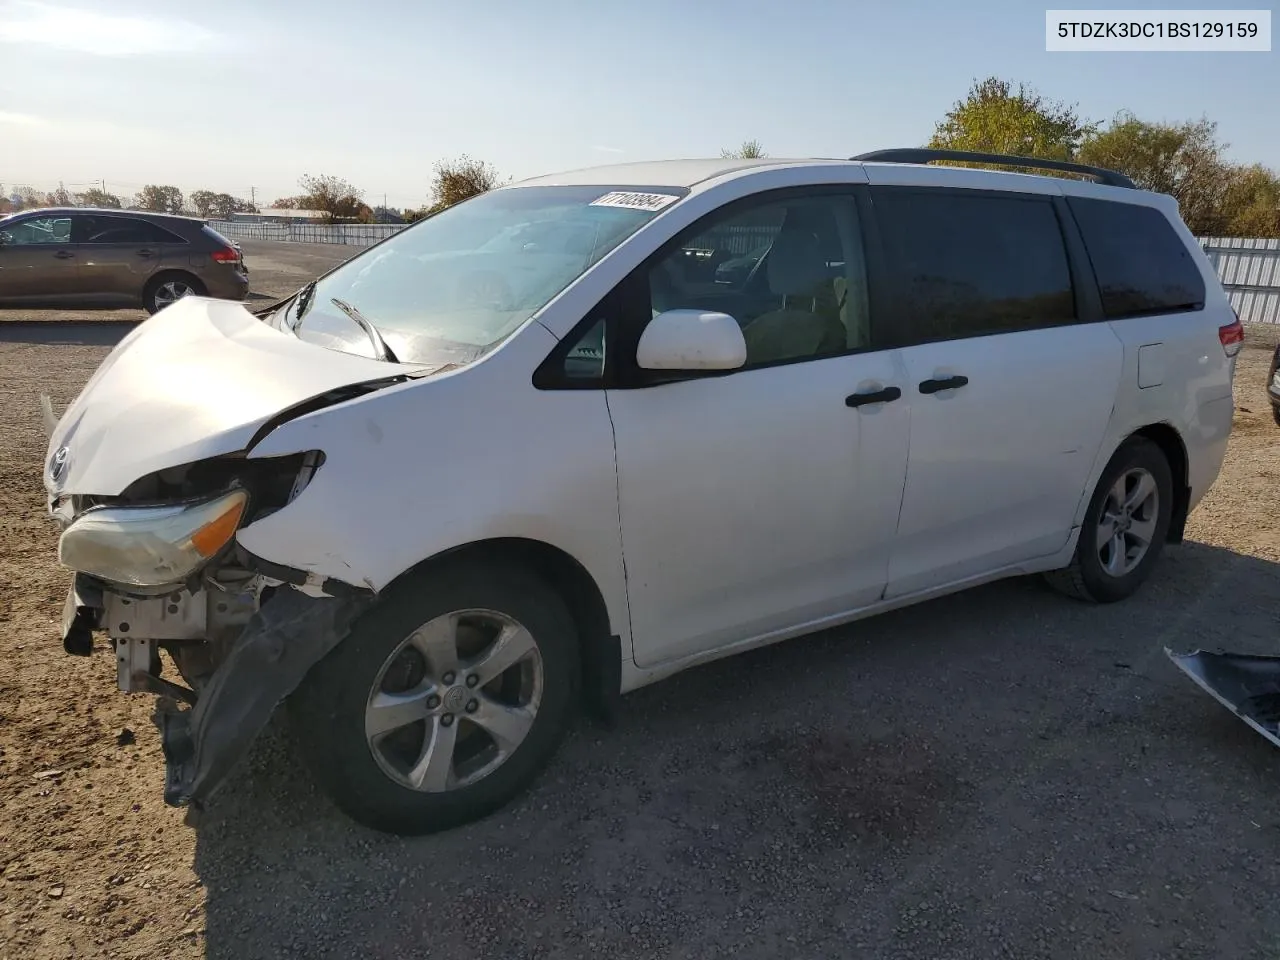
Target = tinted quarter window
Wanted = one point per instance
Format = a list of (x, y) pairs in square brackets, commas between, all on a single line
[(125, 230), (970, 264), (1141, 264)]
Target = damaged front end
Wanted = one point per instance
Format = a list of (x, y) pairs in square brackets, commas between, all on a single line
[(159, 571), (1246, 684)]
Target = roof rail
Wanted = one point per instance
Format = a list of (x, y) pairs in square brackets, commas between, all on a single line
[(924, 155)]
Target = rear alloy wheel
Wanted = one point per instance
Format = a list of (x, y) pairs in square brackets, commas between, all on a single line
[(169, 290), (1124, 528), (444, 702)]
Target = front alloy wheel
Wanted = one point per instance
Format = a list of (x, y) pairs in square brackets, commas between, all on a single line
[(445, 700), (454, 700)]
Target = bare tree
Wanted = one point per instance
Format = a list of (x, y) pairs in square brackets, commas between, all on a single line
[(335, 197), (750, 150), (97, 197), (59, 197), (461, 179)]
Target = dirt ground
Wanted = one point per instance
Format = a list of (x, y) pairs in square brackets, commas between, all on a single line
[(1003, 773)]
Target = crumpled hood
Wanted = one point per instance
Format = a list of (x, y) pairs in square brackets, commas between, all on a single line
[(196, 380)]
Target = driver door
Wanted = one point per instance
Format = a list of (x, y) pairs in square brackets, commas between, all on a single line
[(38, 259), (763, 500)]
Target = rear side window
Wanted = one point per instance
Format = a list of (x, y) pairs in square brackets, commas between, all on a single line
[(125, 230), (1141, 264), (973, 264)]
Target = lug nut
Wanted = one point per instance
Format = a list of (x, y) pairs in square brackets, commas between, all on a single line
[(472, 706), (472, 680), (448, 677), (447, 720), (432, 702)]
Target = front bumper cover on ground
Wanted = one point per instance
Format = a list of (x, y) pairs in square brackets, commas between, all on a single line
[(290, 633), (1246, 684)]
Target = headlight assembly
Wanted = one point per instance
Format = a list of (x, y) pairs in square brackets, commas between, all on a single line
[(150, 546)]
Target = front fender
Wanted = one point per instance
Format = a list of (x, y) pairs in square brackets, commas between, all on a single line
[(433, 465)]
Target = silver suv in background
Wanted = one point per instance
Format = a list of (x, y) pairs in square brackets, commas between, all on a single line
[(79, 255)]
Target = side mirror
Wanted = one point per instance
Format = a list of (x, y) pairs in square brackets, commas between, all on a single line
[(691, 340)]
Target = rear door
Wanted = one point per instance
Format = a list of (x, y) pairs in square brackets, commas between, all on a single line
[(120, 252), (1011, 378)]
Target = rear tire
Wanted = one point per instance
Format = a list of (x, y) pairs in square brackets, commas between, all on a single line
[(463, 741), (1124, 528), (168, 288)]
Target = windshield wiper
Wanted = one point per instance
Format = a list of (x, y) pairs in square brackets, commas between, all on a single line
[(301, 303), (380, 345)]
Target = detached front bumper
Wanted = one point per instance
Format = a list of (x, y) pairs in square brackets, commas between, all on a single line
[(1246, 684), (243, 651), (203, 742)]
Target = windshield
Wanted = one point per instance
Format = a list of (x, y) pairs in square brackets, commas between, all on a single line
[(454, 286)]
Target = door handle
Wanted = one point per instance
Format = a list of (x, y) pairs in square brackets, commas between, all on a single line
[(875, 396), (947, 383), (146, 253), (64, 254)]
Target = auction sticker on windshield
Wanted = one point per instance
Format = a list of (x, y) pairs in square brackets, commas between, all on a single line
[(635, 201)]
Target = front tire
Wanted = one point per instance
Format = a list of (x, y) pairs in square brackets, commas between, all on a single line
[(1124, 528), (445, 701)]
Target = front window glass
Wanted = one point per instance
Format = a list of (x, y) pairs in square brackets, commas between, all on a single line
[(455, 285), (36, 230)]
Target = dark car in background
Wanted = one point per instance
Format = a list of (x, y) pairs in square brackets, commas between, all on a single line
[(77, 254)]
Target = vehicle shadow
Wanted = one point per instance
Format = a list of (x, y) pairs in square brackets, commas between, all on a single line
[(94, 333), (1006, 756)]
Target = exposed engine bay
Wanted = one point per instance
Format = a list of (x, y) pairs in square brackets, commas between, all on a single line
[(241, 632)]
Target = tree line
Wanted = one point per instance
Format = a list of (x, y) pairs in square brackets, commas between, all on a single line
[(1185, 159), (1217, 197)]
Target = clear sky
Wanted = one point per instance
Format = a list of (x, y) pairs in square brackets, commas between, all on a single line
[(229, 94)]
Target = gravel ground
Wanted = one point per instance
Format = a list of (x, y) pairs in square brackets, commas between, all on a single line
[(999, 773)]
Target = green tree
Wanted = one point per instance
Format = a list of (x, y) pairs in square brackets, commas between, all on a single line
[(996, 118), (461, 179), (1251, 202), (159, 199), (219, 206), (1183, 159), (750, 150), (97, 197)]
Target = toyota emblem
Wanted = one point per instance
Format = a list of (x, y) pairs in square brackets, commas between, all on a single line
[(58, 465)]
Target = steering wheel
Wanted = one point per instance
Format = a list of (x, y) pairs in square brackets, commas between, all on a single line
[(485, 289)]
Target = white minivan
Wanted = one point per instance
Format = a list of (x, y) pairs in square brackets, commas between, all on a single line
[(582, 432)]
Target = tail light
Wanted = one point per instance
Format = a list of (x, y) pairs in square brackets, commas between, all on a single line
[(226, 255), (1232, 336)]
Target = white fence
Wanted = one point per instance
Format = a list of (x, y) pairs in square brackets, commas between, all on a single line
[(1250, 271), (1248, 267), (348, 234)]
